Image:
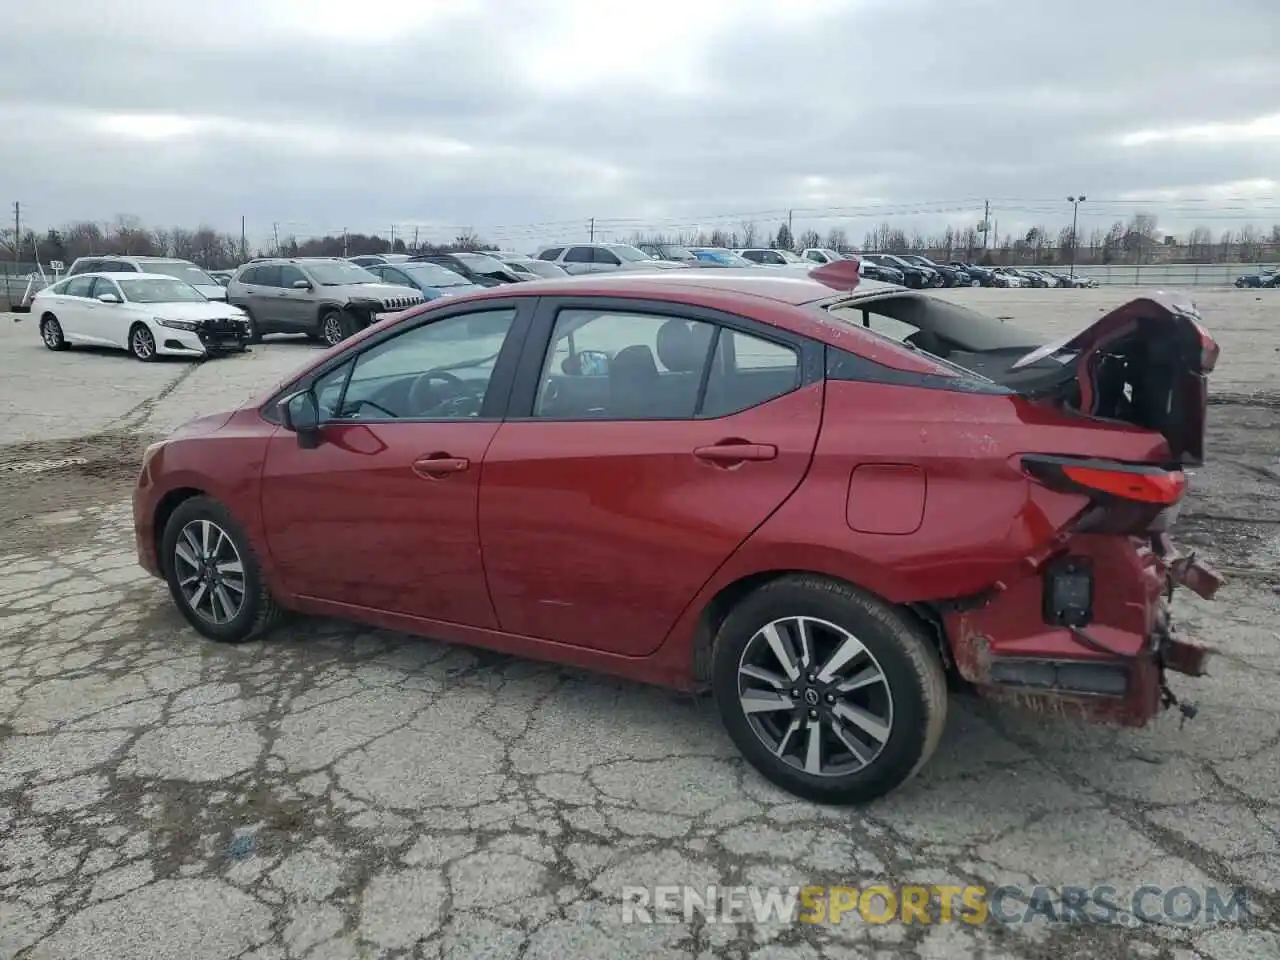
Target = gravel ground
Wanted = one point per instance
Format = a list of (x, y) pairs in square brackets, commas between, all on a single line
[(338, 792)]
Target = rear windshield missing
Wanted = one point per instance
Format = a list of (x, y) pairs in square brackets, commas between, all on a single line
[(933, 325)]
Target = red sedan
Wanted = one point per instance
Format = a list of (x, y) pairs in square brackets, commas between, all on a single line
[(816, 497)]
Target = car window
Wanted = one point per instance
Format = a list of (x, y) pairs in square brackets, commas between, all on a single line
[(551, 254), (747, 371), (102, 285), (289, 275), (579, 255), (616, 365), (117, 266), (78, 287), (815, 256), (603, 255), (268, 276), (84, 266), (249, 276), (437, 371)]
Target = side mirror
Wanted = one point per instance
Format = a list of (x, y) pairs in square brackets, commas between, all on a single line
[(108, 298), (300, 414), (302, 284)]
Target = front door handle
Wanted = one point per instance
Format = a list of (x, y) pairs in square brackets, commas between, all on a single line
[(735, 452), (439, 465)]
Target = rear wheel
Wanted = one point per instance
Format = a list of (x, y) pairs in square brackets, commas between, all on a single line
[(213, 573), (975, 283), (51, 333), (142, 342), (255, 332), (831, 694)]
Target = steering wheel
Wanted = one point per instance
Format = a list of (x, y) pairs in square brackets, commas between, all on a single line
[(420, 394)]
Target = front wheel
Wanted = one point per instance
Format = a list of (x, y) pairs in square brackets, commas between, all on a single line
[(335, 326), (51, 333), (829, 693), (142, 342), (975, 283), (213, 573)]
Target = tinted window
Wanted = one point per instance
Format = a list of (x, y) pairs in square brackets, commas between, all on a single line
[(117, 266), (289, 275), (579, 255), (85, 266), (249, 275), (623, 366), (438, 371), (79, 287), (268, 276), (551, 254), (605, 256), (748, 371)]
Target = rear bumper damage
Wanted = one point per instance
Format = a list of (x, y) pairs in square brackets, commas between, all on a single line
[(1098, 654)]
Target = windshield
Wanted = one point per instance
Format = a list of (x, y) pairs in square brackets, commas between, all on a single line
[(726, 257), (919, 261), (543, 269), (628, 253), (182, 271), (159, 291), (480, 262), (337, 273), (790, 257), (901, 316), (434, 275)]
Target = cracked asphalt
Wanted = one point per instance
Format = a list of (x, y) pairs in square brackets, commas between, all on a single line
[(339, 792)]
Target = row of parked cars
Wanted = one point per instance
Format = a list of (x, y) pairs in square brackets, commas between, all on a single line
[(163, 308)]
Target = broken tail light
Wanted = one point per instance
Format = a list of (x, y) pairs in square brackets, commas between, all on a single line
[(1108, 481)]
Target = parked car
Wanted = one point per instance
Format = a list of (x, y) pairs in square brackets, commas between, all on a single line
[(479, 268), (913, 275), (222, 276), (540, 269), (721, 257), (429, 279), (683, 479), (1263, 278), (821, 254), (603, 258), (669, 251), (327, 298), (164, 266), (770, 257), (373, 259), (951, 276), (148, 314), (978, 276), (1067, 280)]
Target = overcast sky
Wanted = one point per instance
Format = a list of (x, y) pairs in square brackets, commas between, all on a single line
[(523, 119)]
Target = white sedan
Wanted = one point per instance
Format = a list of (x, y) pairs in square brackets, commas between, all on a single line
[(147, 314)]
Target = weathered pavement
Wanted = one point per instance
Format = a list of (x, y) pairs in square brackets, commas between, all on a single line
[(336, 792)]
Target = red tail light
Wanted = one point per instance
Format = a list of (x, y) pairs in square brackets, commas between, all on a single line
[(1108, 479)]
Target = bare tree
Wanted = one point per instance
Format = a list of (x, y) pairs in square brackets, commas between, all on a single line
[(810, 238), (748, 228), (1200, 244)]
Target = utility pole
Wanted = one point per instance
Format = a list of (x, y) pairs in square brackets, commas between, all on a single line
[(344, 241), (244, 247), (17, 230), (415, 238), (592, 229), (275, 232), (986, 224), (1075, 221), (790, 233)]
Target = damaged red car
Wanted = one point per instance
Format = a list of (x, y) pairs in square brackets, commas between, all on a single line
[(814, 496)]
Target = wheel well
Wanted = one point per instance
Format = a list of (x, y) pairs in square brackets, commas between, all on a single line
[(164, 510), (729, 596), (47, 315)]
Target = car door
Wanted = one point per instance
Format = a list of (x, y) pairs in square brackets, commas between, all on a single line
[(108, 322), (72, 310), (578, 260), (382, 514), (296, 306), (613, 492), (261, 284)]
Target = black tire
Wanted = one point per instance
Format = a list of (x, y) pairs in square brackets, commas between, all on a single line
[(255, 332), (142, 343), (258, 611), (51, 333), (908, 663), (334, 327)]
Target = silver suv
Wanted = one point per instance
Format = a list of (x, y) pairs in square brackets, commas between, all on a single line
[(326, 298), (166, 266), (603, 257)]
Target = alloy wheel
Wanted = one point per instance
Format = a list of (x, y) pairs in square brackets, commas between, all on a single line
[(331, 331), (51, 333), (142, 343), (815, 696), (210, 572)]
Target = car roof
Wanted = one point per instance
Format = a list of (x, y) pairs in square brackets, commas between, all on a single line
[(111, 275)]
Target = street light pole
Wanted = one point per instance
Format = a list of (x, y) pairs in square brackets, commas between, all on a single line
[(1075, 221)]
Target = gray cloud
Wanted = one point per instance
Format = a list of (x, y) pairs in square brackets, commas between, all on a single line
[(524, 118)]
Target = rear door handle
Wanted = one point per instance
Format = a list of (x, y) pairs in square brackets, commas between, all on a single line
[(437, 466), (727, 453)]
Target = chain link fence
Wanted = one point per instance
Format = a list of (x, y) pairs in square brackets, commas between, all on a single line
[(19, 281)]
